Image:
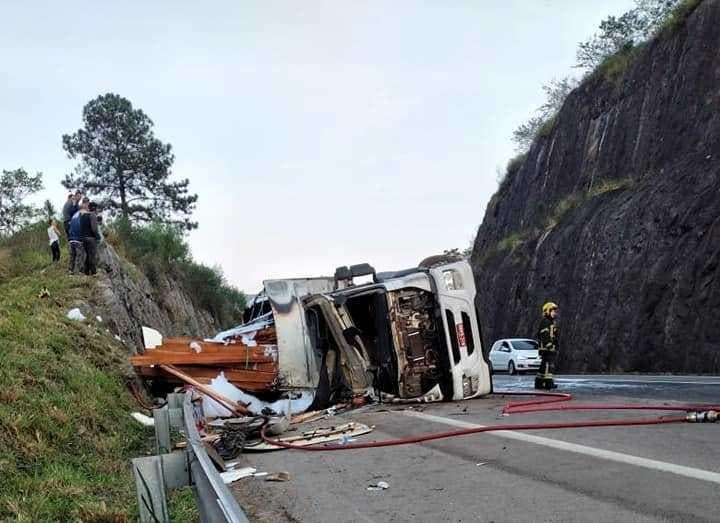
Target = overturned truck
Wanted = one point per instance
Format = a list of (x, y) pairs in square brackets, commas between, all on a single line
[(411, 335)]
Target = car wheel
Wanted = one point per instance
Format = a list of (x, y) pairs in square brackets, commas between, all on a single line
[(511, 368)]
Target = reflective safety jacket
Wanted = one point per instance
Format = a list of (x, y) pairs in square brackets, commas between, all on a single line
[(548, 335)]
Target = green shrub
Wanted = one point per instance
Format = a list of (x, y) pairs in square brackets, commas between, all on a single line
[(607, 186), (159, 249), (510, 242), (678, 16), (209, 287), (547, 127)]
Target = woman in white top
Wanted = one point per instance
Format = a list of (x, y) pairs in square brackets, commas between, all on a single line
[(54, 237)]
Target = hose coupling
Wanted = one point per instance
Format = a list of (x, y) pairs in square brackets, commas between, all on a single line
[(709, 416)]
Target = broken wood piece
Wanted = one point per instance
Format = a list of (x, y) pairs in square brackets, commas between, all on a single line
[(231, 405)]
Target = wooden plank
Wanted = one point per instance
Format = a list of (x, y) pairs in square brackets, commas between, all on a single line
[(203, 358)]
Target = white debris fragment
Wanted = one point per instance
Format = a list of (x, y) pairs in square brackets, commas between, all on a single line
[(234, 475), (151, 337), (118, 338), (221, 385), (75, 315), (143, 419), (380, 485), (195, 346), (99, 319)]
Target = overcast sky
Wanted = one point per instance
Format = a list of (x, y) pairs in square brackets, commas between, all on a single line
[(316, 134)]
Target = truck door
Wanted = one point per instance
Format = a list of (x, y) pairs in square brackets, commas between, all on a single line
[(298, 365), (456, 297)]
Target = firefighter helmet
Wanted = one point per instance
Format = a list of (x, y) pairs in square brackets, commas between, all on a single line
[(549, 306)]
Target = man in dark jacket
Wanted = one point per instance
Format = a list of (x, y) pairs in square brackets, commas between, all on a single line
[(549, 345), (74, 241), (90, 235), (68, 211)]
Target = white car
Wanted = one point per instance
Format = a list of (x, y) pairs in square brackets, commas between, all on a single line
[(514, 355)]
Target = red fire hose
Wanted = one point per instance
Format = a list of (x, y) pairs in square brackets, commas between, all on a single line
[(547, 401)]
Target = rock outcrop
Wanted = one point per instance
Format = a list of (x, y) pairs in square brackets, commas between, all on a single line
[(615, 215), (126, 300)]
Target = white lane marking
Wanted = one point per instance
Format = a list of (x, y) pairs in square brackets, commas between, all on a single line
[(680, 470), (611, 380)]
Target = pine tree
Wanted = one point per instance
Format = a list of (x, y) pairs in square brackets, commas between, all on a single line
[(125, 166)]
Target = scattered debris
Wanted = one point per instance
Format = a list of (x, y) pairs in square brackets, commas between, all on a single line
[(195, 346), (234, 475), (75, 315), (278, 476), (151, 337), (315, 436), (481, 464), (99, 319), (217, 460), (380, 485), (44, 293), (230, 405), (143, 419)]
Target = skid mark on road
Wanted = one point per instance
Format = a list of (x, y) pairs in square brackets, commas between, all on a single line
[(619, 457)]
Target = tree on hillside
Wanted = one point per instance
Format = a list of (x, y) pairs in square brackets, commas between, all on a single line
[(622, 33), (15, 187), (126, 166), (556, 91), (49, 210)]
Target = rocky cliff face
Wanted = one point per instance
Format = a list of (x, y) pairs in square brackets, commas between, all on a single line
[(615, 215), (126, 300)]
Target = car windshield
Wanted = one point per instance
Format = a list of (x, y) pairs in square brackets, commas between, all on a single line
[(525, 345)]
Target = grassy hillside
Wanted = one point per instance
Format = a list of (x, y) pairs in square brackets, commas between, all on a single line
[(66, 436)]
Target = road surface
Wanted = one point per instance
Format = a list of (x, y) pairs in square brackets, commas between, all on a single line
[(661, 473)]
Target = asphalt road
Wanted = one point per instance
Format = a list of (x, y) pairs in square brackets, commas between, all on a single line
[(660, 473)]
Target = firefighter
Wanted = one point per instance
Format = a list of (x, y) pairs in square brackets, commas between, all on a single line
[(548, 338)]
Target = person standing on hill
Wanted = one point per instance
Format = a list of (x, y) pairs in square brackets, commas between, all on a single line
[(74, 241), (68, 211), (54, 238), (548, 337), (90, 235)]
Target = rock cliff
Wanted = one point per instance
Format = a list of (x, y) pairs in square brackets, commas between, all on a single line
[(615, 214), (126, 300)]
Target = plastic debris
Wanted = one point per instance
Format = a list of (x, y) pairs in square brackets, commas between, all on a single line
[(278, 476), (151, 337), (143, 419), (234, 475), (346, 439), (196, 348), (380, 485), (99, 319), (75, 315)]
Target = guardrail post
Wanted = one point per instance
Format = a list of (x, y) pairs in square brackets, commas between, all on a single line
[(150, 485), (162, 430)]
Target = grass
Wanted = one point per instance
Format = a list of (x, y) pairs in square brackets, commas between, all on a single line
[(66, 436), (182, 506), (510, 242), (576, 199), (615, 65), (547, 127), (678, 16)]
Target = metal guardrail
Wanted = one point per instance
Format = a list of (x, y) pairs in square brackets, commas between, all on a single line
[(154, 475)]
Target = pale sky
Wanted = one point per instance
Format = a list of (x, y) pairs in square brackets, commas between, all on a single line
[(316, 134)]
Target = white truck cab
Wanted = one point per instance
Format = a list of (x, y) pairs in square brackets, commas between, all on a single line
[(411, 335)]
